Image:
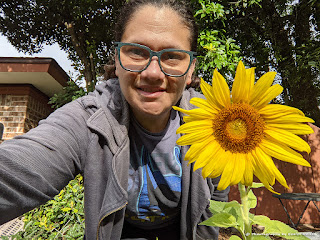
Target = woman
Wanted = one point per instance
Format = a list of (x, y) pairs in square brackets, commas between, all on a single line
[(121, 138)]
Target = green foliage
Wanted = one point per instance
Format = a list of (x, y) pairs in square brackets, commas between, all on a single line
[(84, 29), (60, 218), (71, 92), (216, 49), (231, 214)]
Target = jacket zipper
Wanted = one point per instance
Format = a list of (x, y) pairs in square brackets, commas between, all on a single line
[(107, 216)]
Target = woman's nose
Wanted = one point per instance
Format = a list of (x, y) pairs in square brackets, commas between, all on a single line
[(153, 71)]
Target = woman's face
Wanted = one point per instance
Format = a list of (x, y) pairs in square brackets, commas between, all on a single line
[(150, 93)]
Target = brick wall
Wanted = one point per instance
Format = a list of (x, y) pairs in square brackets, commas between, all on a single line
[(21, 108)]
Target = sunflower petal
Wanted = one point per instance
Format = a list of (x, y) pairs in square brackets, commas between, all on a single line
[(215, 167), (208, 93), (221, 89), (295, 128), (240, 165), (197, 112), (261, 86), (196, 149), (262, 178), (282, 152), (289, 118), (241, 86), (196, 126), (248, 174), (192, 138), (206, 155), (288, 138), (269, 165), (270, 94), (227, 172), (263, 164), (272, 109), (202, 103), (251, 79)]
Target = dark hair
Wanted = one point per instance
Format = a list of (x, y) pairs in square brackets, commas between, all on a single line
[(179, 6)]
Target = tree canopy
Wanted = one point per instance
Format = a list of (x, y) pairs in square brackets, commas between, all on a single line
[(279, 35), (84, 29)]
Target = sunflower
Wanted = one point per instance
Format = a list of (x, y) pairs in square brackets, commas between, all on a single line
[(236, 134)]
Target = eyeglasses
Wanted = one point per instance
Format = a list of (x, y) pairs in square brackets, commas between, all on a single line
[(136, 58)]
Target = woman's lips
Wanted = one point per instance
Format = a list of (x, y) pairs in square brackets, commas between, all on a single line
[(151, 92)]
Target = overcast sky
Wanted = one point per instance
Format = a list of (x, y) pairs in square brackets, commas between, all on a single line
[(7, 50)]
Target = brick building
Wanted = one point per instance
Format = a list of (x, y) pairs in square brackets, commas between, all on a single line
[(26, 84)]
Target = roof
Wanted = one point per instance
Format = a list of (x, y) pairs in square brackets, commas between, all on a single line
[(43, 73)]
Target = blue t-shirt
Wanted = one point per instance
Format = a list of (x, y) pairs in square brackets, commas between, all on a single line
[(155, 171)]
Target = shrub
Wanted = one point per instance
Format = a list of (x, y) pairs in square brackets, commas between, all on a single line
[(60, 218)]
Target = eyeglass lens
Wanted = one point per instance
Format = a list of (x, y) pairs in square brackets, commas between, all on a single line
[(136, 58)]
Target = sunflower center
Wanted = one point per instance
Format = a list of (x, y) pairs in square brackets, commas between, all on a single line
[(238, 128)]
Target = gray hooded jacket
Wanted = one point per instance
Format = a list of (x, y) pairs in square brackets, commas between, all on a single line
[(90, 136)]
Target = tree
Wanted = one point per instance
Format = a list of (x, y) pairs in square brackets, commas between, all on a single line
[(84, 29), (283, 36), (267, 34)]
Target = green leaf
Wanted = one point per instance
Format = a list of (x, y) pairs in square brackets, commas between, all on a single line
[(277, 228), (257, 185), (216, 206), (252, 200), (234, 237), (221, 220)]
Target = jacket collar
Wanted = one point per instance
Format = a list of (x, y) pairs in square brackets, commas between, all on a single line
[(110, 113)]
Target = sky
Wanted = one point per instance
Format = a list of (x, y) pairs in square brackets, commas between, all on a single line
[(7, 50)]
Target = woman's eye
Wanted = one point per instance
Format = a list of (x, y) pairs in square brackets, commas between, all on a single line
[(138, 52), (173, 56)]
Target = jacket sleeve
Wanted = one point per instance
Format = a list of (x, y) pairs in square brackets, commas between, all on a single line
[(35, 166)]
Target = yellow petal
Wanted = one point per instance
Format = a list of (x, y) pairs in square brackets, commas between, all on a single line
[(270, 94), (239, 168), (287, 119), (262, 178), (202, 103), (197, 112), (282, 152), (227, 171), (262, 85), (251, 76), (241, 85), (263, 165), (209, 94), (268, 164), (233, 171), (192, 138), (206, 155), (295, 128), (271, 109), (289, 139), (196, 149), (216, 166), (248, 174), (220, 89), (196, 126)]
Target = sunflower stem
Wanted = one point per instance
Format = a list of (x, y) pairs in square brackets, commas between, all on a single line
[(245, 211)]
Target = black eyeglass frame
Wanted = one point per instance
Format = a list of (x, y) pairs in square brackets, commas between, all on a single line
[(158, 54)]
